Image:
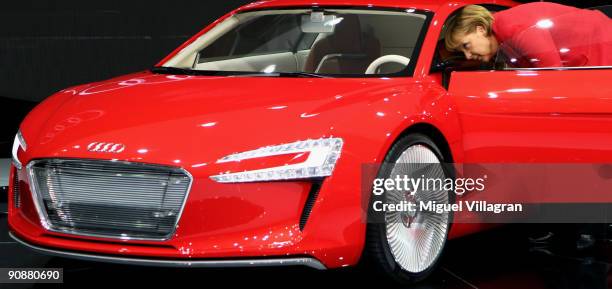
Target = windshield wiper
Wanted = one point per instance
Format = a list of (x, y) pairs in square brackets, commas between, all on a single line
[(252, 74), (176, 70), (173, 70), (278, 74), (302, 74)]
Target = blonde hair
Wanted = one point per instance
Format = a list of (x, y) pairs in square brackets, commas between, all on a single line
[(465, 22)]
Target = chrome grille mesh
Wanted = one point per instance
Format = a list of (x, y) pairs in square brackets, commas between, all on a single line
[(109, 199)]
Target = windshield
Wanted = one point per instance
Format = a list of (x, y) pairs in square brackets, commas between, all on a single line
[(307, 43)]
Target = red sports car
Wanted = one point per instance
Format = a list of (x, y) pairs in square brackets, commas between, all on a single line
[(246, 146)]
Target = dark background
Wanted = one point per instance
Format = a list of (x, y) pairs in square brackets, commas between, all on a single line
[(47, 45)]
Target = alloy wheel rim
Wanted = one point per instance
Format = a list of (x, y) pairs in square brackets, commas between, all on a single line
[(417, 244)]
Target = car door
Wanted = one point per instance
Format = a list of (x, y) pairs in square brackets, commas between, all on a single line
[(547, 101), (535, 115), (543, 135)]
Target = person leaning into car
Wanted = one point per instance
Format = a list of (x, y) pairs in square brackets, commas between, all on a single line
[(538, 34)]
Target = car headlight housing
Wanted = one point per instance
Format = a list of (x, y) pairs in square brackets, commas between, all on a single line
[(322, 155), (19, 142)]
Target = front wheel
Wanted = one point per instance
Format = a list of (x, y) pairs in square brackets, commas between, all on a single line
[(407, 245)]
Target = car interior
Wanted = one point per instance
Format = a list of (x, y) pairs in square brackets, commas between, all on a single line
[(357, 41)]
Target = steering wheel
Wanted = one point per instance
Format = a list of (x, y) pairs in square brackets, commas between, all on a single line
[(373, 67)]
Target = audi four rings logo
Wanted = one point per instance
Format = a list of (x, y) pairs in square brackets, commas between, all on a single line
[(105, 147)]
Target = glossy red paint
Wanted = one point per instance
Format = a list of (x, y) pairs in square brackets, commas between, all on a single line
[(365, 112), (564, 115), (192, 121)]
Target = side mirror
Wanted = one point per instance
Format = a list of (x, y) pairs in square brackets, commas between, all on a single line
[(441, 66)]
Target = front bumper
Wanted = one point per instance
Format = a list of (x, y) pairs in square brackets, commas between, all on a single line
[(259, 262), (258, 224)]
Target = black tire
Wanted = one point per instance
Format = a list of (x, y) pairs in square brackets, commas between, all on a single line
[(378, 251)]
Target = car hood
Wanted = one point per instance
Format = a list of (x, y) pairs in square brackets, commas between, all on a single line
[(172, 119)]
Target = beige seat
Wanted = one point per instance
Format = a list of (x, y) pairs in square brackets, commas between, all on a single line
[(347, 51)]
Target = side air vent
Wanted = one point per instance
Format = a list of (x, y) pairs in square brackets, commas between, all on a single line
[(16, 191), (310, 201)]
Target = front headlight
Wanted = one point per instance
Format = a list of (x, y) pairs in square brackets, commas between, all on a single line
[(322, 157), (18, 143)]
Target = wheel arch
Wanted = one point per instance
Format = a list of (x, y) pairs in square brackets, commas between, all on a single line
[(434, 134)]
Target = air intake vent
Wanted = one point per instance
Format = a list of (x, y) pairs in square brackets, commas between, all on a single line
[(16, 191), (310, 202), (110, 199)]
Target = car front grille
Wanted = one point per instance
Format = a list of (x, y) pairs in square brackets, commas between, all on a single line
[(109, 198)]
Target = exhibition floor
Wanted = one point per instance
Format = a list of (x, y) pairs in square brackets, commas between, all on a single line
[(500, 258)]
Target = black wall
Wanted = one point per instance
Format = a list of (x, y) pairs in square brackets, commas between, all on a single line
[(48, 45)]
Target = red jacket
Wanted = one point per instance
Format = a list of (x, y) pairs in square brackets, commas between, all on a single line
[(542, 34)]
